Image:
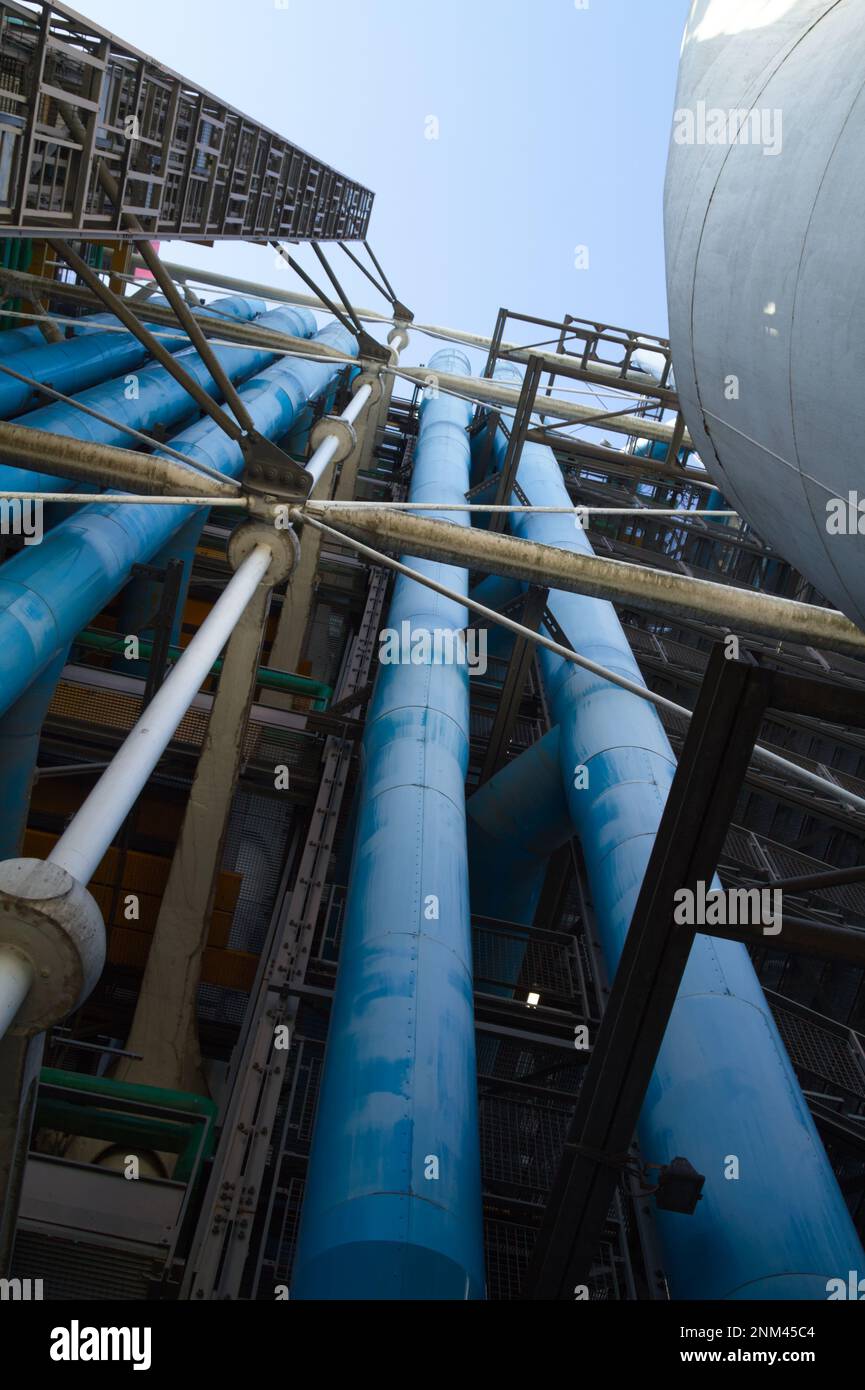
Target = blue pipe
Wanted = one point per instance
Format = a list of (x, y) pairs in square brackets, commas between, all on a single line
[(79, 362), (49, 592), (140, 600), (15, 340), (392, 1208), (723, 1085), (19, 748), (515, 822), (160, 399)]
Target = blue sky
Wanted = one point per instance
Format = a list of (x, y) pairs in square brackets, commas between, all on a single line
[(553, 124)]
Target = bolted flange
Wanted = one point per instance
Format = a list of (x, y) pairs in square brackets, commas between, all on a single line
[(373, 381), (398, 338), (47, 917), (277, 534), (345, 434)]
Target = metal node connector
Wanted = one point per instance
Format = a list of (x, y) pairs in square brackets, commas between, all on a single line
[(51, 923), (283, 544), (344, 432)]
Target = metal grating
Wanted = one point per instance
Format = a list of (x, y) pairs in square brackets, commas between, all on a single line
[(545, 966), (505, 1059), (521, 1144), (296, 1111), (219, 1004), (278, 1260), (255, 846), (78, 1270), (508, 1250), (74, 702), (820, 1052)]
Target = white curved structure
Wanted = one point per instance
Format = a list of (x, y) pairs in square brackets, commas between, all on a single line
[(765, 244)]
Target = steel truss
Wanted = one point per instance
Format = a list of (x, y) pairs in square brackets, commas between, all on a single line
[(186, 164)]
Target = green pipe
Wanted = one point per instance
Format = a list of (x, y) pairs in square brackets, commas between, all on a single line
[(141, 1133), (270, 679), (130, 1090), (141, 1130), (181, 1136)]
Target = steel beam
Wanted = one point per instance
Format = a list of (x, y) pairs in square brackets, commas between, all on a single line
[(293, 621), (604, 374), (802, 936), (832, 878), (514, 684), (639, 586), (732, 703), (618, 461), (205, 402), (519, 425), (571, 412), (40, 451), (164, 1028), (696, 817), (193, 329)]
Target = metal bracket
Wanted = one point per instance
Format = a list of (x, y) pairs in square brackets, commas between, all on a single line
[(370, 349), (270, 472)]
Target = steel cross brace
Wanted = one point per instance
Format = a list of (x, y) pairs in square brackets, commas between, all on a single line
[(733, 700), (282, 477), (519, 428)]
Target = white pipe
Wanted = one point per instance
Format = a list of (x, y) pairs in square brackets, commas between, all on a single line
[(318, 461), (86, 839), (16, 977), (321, 457), (356, 405)]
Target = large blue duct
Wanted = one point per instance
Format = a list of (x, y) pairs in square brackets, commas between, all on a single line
[(157, 400), (392, 1208), (78, 362), (515, 822), (13, 340), (161, 400), (49, 592), (723, 1085), (20, 732)]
